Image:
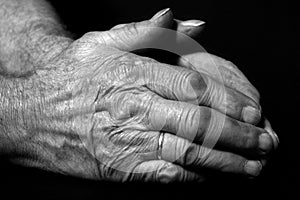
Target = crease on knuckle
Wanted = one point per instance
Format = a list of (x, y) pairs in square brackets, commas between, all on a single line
[(204, 87), (132, 103)]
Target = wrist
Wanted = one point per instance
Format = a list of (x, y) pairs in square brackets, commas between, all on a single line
[(31, 34), (33, 49), (44, 41), (29, 131)]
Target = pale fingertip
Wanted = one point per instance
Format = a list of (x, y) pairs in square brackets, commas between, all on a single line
[(265, 143), (251, 115), (194, 23), (253, 168)]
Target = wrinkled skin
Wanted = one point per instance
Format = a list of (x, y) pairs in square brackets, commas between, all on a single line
[(96, 111)]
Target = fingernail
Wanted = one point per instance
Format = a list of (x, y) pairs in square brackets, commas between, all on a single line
[(159, 14), (251, 114), (265, 142), (253, 168), (194, 23)]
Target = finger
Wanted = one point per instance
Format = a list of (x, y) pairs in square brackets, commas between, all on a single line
[(221, 70), (274, 136), (153, 33), (192, 28), (227, 72), (138, 35), (199, 123), (163, 172), (187, 154), (182, 84)]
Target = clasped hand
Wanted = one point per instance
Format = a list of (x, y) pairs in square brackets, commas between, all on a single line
[(98, 111)]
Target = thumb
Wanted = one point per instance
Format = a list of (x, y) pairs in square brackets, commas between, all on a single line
[(158, 15), (191, 28), (128, 37)]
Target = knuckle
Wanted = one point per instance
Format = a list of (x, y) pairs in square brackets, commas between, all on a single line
[(168, 173), (197, 86), (130, 103), (124, 106)]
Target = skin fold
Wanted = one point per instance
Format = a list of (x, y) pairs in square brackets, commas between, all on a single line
[(90, 108)]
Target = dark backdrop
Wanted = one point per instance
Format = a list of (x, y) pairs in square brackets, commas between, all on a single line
[(258, 36)]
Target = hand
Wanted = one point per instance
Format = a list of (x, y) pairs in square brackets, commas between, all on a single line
[(96, 111), (206, 63), (213, 66)]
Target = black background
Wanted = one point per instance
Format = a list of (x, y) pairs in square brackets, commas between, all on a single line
[(258, 36)]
